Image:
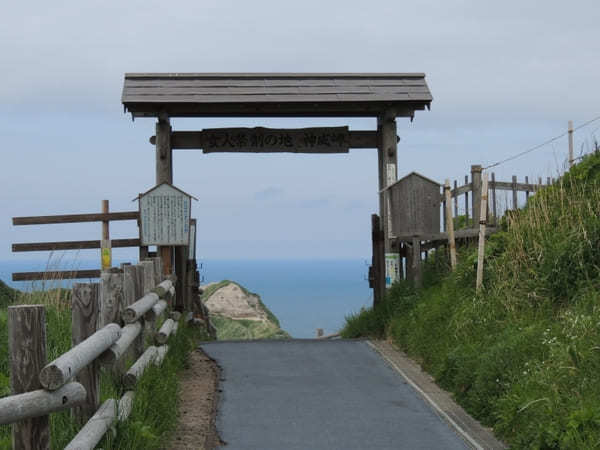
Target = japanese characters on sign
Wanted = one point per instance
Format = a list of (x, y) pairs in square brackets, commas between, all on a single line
[(192, 244), (303, 140), (165, 216)]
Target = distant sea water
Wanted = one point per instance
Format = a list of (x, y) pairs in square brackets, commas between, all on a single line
[(303, 294)]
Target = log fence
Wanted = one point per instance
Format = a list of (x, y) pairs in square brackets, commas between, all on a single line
[(125, 317)]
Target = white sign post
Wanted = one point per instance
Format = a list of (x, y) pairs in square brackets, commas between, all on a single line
[(165, 216)]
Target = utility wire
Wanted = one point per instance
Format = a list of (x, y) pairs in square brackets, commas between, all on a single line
[(549, 141)]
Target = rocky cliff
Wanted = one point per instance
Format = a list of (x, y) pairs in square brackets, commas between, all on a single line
[(237, 313)]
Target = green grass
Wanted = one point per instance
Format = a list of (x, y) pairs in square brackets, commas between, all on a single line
[(154, 414), (229, 329), (522, 355)]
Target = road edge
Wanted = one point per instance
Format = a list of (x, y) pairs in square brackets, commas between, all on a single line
[(470, 430)]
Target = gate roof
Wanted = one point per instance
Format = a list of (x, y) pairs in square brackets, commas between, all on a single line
[(274, 94)]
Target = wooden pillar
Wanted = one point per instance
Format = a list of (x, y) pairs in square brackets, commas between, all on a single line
[(27, 350), (476, 197), (181, 255), (164, 174), (84, 314), (387, 153), (377, 271)]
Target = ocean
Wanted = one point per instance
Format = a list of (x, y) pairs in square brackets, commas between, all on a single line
[(303, 294)]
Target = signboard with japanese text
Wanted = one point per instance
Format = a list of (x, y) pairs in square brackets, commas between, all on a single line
[(301, 140), (392, 269), (165, 216), (192, 244)]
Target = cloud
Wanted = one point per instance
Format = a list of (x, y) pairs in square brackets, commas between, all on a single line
[(270, 193)]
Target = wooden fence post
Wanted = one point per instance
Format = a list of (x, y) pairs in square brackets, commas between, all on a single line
[(181, 254), (570, 144), (415, 261), (27, 357), (526, 192), (455, 199), (450, 225), (482, 224), (84, 313), (494, 198), (105, 243), (111, 297), (149, 282), (130, 297), (514, 193), (476, 197), (466, 203)]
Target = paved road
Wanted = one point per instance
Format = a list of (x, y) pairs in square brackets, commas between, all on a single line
[(312, 395)]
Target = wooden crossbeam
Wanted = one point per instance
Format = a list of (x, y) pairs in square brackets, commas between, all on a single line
[(71, 245), (284, 140), (459, 234), (55, 275), (76, 218)]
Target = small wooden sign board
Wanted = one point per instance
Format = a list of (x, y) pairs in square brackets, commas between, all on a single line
[(165, 216)]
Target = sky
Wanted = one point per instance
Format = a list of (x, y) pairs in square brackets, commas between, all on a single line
[(505, 76)]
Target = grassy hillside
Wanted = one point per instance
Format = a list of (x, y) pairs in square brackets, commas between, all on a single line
[(523, 355), (7, 294), (230, 329)]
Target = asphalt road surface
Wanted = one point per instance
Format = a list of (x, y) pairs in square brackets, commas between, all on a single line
[(312, 395)]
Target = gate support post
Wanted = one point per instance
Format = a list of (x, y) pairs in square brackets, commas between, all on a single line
[(377, 271), (164, 174), (387, 153)]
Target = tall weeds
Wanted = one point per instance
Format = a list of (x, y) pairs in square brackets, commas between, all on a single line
[(523, 355)]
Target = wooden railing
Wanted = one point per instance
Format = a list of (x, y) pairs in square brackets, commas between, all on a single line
[(472, 189), (110, 320)]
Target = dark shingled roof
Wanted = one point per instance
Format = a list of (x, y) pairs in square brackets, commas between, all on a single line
[(274, 94)]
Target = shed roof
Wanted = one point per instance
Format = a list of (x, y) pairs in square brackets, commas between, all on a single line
[(164, 184), (274, 94), (411, 175)]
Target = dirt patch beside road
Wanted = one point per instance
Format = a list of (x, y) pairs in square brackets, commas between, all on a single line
[(198, 399)]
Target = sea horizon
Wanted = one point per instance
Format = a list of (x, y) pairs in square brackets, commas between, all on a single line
[(304, 294)]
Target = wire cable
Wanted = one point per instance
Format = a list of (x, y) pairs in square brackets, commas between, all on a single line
[(549, 141)]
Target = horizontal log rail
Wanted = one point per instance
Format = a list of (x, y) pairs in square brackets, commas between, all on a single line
[(76, 218), (66, 366), (56, 275), (458, 234), (40, 403), (499, 185), (72, 245)]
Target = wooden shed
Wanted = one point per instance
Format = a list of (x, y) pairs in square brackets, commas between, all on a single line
[(415, 206)]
